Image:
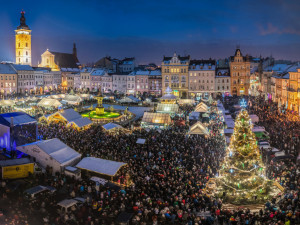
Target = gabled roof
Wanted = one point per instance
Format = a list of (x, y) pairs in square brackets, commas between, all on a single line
[(19, 118), (102, 166), (198, 128), (98, 72), (6, 69), (180, 58), (65, 60), (70, 114), (18, 67), (110, 126), (54, 148), (81, 122)]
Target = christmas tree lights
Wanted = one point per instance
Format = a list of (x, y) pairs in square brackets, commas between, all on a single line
[(241, 177)]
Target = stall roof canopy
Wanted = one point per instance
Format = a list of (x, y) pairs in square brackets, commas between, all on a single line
[(198, 128), (13, 162), (194, 115), (201, 107), (6, 103), (67, 203), (19, 118), (35, 190), (49, 102), (141, 141), (158, 118), (81, 122), (102, 166), (72, 99), (167, 108), (110, 126), (58, 150), (186, 101), (73, 117)]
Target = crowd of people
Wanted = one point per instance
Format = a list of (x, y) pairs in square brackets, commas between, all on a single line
[(168, 173)]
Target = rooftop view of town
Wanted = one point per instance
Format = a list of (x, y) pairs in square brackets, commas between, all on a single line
[(169, 137)]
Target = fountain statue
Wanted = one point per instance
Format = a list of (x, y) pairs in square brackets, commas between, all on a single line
[(99, 108)]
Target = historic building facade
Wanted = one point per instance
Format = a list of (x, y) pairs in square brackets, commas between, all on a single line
[(240, 74), (23, 42), (175, 74), (201, 77)]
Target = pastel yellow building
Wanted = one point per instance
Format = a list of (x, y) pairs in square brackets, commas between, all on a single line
[(175, 74), (48, 60), (23, 42)]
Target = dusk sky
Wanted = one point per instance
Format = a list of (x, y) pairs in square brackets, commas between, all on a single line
[(150, 29)]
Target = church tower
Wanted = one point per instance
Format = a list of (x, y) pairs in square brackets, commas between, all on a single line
[(23, 42)]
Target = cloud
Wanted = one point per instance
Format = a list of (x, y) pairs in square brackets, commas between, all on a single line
[(272, 29)]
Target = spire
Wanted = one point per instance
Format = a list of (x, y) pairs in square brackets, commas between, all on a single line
[(23, 21), (74, 50)]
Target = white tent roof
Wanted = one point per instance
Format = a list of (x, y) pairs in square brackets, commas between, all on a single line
[(186, 102), (141, 141), (158, 118), (67, 203), (48, 102), (72, 99), (58, 150), (6, 103), (167, 108), (198, 128), (110, 126), (102, 166)]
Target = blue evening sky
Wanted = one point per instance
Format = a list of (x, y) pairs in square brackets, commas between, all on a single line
[(150, 29)]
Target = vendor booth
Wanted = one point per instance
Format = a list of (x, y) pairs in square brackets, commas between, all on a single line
[(103, 168), (52, 154), (72, 99), (49, 103), (112, 127), (155, 120), (198, 129), (70, 117), (167, 108), (201, 107), (129, 99), (186, 101)]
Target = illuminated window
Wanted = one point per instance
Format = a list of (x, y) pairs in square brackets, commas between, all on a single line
[(26, 53), (19, 44), (26, 44), (19, 53)]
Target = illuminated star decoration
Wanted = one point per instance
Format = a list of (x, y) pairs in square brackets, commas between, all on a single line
[(243, 103)]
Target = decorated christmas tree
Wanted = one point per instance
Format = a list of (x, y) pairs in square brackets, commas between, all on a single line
[(241, 177)]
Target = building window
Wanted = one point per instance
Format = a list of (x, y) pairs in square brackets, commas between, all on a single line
[(26, 53), (26, 44)]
